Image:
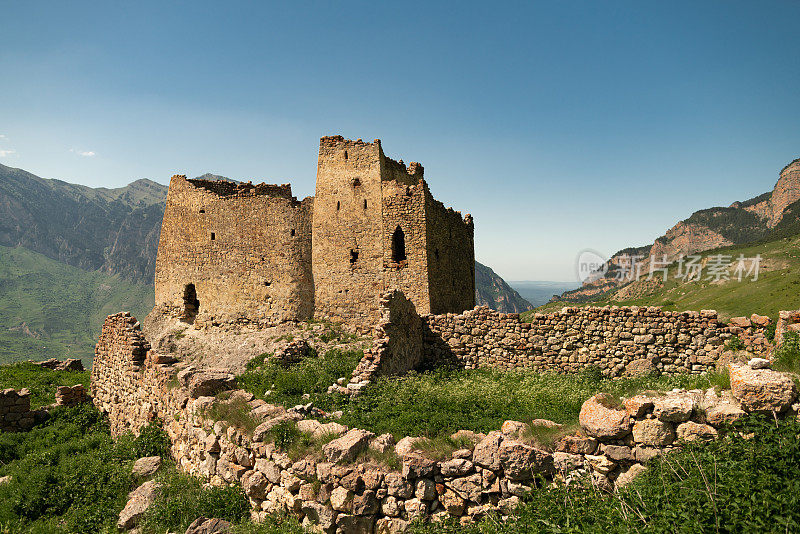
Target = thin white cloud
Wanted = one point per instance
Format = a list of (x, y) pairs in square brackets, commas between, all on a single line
[(6, 153), (84, 153), (3, 137)]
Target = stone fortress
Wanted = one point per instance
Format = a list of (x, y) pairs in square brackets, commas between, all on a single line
[(242, 253)]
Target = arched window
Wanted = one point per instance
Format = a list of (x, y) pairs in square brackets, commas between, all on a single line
[(190, 303), (398, 245)]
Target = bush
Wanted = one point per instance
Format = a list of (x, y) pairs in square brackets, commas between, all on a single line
[(734, 343), (68, 475), (786, 357), (183, 498)]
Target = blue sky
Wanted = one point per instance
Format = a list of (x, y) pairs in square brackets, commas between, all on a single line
[(558, 125)]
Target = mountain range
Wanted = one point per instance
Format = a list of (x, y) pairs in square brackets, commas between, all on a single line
[(100, 243), (768, 216)]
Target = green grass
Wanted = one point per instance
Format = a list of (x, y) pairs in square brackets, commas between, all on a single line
[(733, 484), (777, 287), (311, 375), (437, 403), (52, 310), (42, 383), (787, 356)]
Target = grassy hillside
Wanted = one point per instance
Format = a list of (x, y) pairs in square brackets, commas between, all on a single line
[(52, 310), (777, 287)]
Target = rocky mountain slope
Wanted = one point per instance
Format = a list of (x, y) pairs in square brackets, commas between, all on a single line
[(493, 291), (759, 218), (110, 230)]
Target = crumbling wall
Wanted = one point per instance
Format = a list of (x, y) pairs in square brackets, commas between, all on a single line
[(451, 258), (15, 410), (620, 340), (397, 347), (243, 252)]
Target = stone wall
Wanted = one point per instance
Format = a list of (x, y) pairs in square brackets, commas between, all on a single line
[(15, 410), (620, 340), (333, 491), (397, 347), (242, 251)]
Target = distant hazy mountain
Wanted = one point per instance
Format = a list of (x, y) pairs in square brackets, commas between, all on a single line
[(540, 292)]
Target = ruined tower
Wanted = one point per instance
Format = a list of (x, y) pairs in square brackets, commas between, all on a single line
[(232, 252), (376, 227)]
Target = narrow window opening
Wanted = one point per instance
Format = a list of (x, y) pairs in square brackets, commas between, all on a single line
[(213, 236), (353, 255), (436, 253), (338, 205), (202, 210), (292, 232), (267, 283), (190, 303), (398, 245), (345, 154), (356, 182), (365, 203)]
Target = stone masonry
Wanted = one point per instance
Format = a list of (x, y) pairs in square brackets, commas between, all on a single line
[(332, 490), (243, 253)]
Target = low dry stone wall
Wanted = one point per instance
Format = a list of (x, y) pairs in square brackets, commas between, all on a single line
[(620, 340), (338, 490), (15, 410)]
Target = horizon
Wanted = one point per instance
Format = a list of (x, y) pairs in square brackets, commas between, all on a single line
[(558, 127)]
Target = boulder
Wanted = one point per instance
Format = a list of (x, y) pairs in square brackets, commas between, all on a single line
[(406, 445), (391, 525), (468, 487), (577, 445), (144, 467), (355, 524), (139, 500), (691, 431), (209, 382), (674, 408), (342, 499), (724, 413), (417, 466), (761, 390), (741, 322), (202, 525), (382, 443), (653, 433), (456, 467), (514, 429), (319, 514), (520, 461), (638, 405), (365, 504), (758, 363), (760, 320), (255, 485), (486, 453), (627, 476), (565, 462), (347, 447), (602, 419)]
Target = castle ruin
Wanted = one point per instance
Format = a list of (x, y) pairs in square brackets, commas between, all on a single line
[(242, 253)]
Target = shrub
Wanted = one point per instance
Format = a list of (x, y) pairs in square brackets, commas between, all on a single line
[(734, 343), (183, 498), (152, 441), (236, 412), (786, 357)]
